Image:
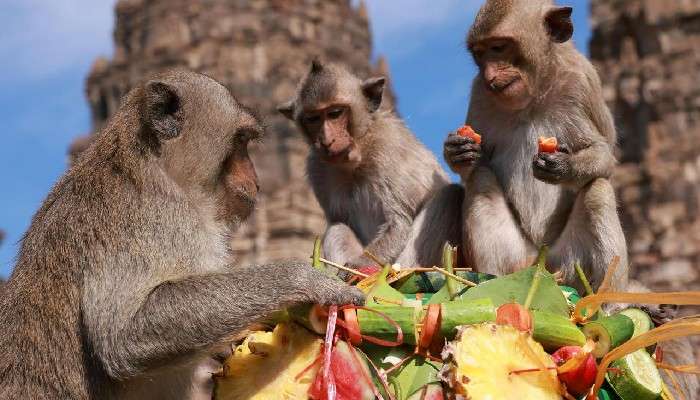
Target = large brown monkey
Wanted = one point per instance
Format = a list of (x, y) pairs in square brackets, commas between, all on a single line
[(381, 190), (124, 280), (532, 83)]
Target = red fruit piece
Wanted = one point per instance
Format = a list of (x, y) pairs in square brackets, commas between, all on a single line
[(548, 145), (467, 131), (579, 376), (369, 269), (515, 315), (349, 372)]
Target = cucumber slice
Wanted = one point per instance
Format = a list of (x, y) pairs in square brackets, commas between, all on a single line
[(639, 379), (609, 332), (642, 321), (553, 331)]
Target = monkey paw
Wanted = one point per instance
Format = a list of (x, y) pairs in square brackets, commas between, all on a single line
[(326, 290), (461, 152), (552, 168)]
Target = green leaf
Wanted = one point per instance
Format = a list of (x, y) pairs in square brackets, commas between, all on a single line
[(515, 287), (410, 377), (381, 290)]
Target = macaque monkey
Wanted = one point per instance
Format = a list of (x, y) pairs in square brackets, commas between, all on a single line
[(381, 190), (124, 282), (532, 82)]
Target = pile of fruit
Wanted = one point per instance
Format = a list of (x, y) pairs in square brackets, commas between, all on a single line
[(449, 333)]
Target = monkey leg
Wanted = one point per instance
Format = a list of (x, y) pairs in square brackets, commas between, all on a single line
[(493, 240), (592, 237), (340, 244), (438, 222)]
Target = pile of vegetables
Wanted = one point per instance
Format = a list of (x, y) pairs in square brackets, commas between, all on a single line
[(445, 332)]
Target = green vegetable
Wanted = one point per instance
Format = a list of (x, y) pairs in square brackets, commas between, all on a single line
[(515, 287), (465, 312), (554, 331), (381, 293), (642, 321), (638, 377), (451, 288), (609, 332), (431, 282), (373, 324)]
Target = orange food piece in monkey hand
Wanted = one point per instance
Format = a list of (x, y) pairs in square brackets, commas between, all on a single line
[(467, 131), (548, 145)]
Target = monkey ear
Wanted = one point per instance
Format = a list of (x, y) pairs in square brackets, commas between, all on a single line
[(316, 65), (287, 109), (161, 109), (559, 25), (373, 89)]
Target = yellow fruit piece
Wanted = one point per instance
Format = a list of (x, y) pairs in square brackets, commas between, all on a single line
[(266, 364), (480, 363)]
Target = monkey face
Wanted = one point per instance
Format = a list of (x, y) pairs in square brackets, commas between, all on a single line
[(329, 131), (513, 46), (507, 83), (200, 134), (333, 108)]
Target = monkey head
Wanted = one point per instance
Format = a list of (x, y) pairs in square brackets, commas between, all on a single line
[(335, 110), (197, 135), (513, 44)]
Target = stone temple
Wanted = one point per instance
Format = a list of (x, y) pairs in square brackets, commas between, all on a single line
[(647, 52), (259, 49), (648, 55)]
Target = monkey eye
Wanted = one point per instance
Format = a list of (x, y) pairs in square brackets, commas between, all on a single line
[(312, 119), (335, 113), (499, 48)]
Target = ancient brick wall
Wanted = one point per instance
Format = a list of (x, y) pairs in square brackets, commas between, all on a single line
[(648, 55), (259, 49)]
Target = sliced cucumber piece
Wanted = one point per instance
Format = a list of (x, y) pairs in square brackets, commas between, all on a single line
[(609, 332), (637, 379), (553, 331), (642, 321)]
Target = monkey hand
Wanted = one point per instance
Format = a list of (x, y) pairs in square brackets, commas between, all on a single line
[(553, 168), (323, 289), (461, 152)]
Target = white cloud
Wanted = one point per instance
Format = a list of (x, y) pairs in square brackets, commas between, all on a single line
[(43, 37)]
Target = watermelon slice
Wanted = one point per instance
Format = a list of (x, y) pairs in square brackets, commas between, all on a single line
[(350, 373)]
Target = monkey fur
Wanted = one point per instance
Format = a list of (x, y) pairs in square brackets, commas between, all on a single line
[(380, 188), (533, 82), (124, 282)]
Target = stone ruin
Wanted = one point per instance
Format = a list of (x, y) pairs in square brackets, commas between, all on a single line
[(259, 49), (647, 52), (648, 55)]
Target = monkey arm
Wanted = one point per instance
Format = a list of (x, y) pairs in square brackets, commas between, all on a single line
[(389, 241), (186, 317), (589, 163)]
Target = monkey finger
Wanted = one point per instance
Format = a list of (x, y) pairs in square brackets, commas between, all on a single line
[(454, 139), (469, 157), (454, 149), (564, 148)]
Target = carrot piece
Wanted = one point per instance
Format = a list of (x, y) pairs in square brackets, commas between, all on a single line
[(467, 131), (431, 325), (515, 315), (548, 145), (352, 326)]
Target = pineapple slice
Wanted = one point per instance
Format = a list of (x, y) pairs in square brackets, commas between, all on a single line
[(480, 361), (265, 366)]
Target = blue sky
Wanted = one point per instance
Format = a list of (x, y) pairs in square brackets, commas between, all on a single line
[(48, 47)]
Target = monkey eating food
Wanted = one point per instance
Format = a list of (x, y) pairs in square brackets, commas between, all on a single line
[(381, 190), (124, 282), (532, 81)]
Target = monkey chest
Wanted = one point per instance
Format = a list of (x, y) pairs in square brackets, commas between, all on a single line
[(364, 211)]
